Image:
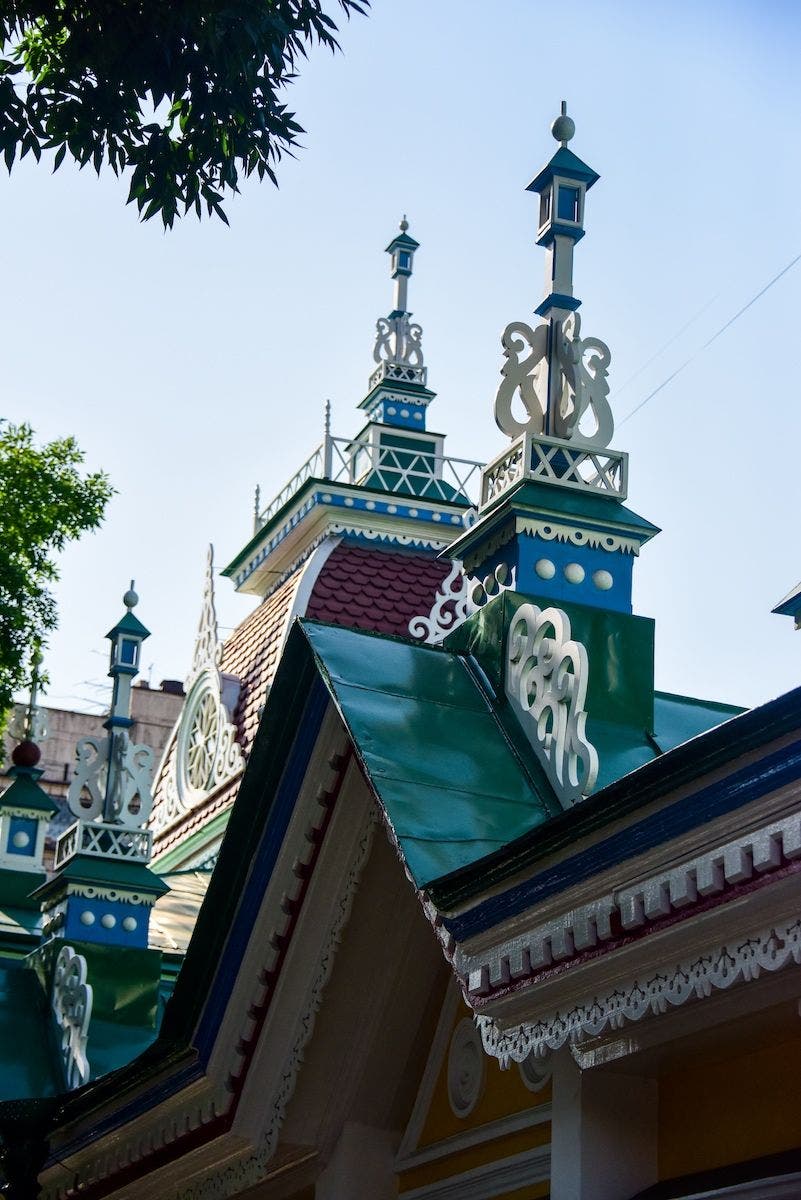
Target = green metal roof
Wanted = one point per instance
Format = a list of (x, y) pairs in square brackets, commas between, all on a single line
[(416, 715), (29, 1066), (107, 872), (447, 759), (25, 792)]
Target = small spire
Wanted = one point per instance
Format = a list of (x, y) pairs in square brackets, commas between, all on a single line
[(257, 509), (404, 225), (564, 126), (327, 424)]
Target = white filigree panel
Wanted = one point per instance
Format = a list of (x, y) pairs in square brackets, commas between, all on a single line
[(206, 752), (561, 387), (398, 340), (71, 1000), (546, 685), (716, 970), (458, 597)]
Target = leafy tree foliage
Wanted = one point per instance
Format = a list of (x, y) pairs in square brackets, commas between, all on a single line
[(183, 93), (44, 503)]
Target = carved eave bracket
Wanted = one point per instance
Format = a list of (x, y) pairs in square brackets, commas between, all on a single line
[(546, 684)]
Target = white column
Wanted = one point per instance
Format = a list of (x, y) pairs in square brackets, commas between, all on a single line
[(603, 1133)]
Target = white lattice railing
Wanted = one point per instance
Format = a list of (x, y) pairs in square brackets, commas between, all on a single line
[(389, 469), (106, 841), (551, 460), (398, 373)]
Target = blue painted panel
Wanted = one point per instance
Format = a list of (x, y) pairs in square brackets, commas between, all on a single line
[(106, 934), (526, 550), (23, 830)]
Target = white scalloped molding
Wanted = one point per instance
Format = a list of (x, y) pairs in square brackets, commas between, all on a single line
[(577, 535), (717, 969)]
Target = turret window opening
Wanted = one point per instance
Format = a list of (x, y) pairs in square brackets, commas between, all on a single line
[(404, 260), (545, 207), (568, 204), (128, 650)]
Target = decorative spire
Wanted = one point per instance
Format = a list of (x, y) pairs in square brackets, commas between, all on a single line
[(398, 393), (111, 783), (25, 809), (559, 377)]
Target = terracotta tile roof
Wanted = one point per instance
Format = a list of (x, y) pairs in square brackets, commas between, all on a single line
[(252, 652), (375, 589), (372, 588)]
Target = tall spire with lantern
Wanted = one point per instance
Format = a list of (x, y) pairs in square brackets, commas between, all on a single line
[(549, 562), (398, 393), (559, 483), (103, 890)]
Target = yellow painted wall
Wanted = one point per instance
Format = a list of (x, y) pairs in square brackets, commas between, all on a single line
[(713, 1114), (504, 1095)]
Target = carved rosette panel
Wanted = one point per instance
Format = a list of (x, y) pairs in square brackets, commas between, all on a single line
[(206, 752), (466, 1068), (546, 685)]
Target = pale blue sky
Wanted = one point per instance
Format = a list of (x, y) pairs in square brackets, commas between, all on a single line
[(194, 364)]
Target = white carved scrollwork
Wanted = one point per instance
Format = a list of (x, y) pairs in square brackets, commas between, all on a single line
[(71, 999), (546, 684), (578, 396), (525, 372), (87, 788), (398, 340), (742, 960), (585, 367), (127, 799), (449, 610)]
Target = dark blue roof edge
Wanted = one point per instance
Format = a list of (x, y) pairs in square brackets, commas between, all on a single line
[(698, 756)]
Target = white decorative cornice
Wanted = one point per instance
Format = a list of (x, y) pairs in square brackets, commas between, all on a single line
[(546, 685), (585, 928), (578, 535), (717, 969), (71, 1001)]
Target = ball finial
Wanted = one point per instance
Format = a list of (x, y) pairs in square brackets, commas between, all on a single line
[(130, 599), (564, 126), (404, 225)]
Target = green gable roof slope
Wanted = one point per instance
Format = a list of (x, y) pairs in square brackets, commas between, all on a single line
[(416, 715)]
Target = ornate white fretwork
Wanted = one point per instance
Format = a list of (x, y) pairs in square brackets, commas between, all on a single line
[(585, 390), (546, 684), (449, 610), (398, 340), (71, 999), (206, 752), (717, 969), (523, 374), (130, 801), (458, 597)]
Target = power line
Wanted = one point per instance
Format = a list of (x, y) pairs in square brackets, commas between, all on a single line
[(708, 343), (663, 348)]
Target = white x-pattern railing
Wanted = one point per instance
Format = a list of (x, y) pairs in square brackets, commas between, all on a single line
[(104, 841), (390, 469), (552, 460)]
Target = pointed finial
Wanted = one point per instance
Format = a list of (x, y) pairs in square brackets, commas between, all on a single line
[(327, 426), (564, 126), (404, 225), (130, 599)]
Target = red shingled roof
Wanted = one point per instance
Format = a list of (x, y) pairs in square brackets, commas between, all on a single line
[(363, 587), (375, 588)]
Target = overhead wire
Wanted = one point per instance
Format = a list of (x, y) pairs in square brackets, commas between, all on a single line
[(706, 344)]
